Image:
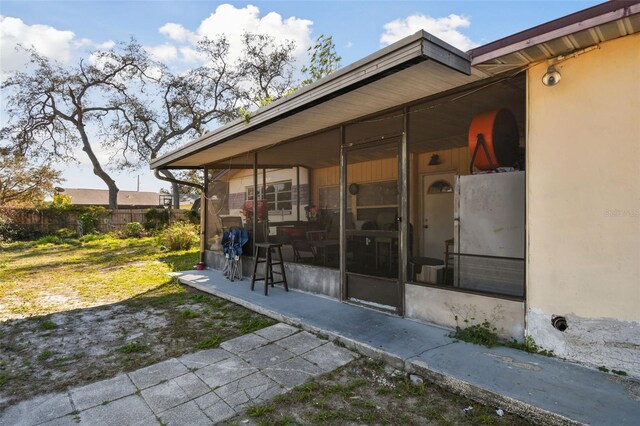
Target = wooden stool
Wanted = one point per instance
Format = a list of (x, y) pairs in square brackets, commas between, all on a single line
[(268, 269)]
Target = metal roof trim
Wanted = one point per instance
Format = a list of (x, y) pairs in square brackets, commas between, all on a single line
[(416, 48), (567, 25)]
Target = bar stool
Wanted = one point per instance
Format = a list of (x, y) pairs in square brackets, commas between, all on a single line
[(268, 249)]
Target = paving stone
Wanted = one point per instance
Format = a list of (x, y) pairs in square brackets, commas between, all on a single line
[(292, 372), (203, 358), (267, 356), (277, 331), (103, 391), (126, 411), (37, 410), (245, 391), (207, 400), (244, 343), (224, 372), (69, 420), (300, 343), (174, 392), (329, 357), (185, 414), (219, 412), (156, 373)]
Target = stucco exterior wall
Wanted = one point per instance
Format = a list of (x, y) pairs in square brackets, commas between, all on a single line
[(583, 206), (453, 308)]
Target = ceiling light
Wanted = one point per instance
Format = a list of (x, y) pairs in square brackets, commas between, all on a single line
[(551, 77)]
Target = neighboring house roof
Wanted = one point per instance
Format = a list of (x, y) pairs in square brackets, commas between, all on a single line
[(407, 71), (100, 197)]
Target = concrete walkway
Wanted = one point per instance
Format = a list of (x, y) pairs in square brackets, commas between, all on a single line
[(546, 390), (196, 389)]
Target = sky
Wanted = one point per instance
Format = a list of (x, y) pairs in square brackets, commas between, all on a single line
[(68, 30)]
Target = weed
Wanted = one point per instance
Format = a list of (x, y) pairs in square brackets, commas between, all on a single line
[(188, 313), (619, 372), (45, 355), (210, 343), (479, 334), (132, 348), (259, 410), (339, 343), (603, 369), (49, 325), (529, 346), (4, 378)]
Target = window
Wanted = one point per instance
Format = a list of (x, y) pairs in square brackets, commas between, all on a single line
[(277, 194)]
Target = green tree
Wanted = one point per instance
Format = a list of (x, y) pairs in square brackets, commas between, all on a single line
[(22, 183), (323, 59)]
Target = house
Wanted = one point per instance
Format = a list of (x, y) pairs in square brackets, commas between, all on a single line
[(100, 197), (500, 184)]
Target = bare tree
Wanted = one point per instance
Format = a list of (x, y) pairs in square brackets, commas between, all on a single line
[(176, 107), (51, 108)]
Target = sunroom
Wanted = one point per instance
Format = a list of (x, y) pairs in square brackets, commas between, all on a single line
[(397, 184)]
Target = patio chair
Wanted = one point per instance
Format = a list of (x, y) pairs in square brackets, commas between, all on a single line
[(232, 242), (303, 252)]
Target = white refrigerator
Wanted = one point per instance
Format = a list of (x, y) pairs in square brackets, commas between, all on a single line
[(490, 233)]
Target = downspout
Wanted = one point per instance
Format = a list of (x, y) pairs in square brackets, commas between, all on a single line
[(203, 200)]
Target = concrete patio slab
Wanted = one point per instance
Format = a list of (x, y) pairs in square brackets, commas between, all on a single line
[(244, 343), (203, 358), (267, 356), (547, 390), (104, 391), (293, 372), (300, 343), (205, 387), (185, 414), (37, 410), (243, 392), (156, 373), (277, 331), (126, 411), (224, 372), (176, 391), (329, 357)]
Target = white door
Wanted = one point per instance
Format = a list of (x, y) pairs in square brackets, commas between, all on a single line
[(437, 210)]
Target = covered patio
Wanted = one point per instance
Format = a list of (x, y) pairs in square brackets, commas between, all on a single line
[(358, 176)]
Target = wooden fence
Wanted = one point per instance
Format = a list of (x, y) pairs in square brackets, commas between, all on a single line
[(34, 222)]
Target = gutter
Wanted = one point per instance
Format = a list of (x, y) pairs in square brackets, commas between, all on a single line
[(589, 18), (156, 173)]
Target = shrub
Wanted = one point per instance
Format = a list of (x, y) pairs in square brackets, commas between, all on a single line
[(8, 229), (65, 233), (193, 216), (133, 230), (156, 219), (179, 236), (49, 239)]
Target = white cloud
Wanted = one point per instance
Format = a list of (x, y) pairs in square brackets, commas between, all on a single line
[(233, 22), (106, 45), (46, 40), (163, 53), (446, 28), (174, 31)]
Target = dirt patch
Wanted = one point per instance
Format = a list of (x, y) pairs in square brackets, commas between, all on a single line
[(50, 353), (370, 392)]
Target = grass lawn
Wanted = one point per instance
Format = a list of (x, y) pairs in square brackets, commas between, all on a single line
[(79, 312)]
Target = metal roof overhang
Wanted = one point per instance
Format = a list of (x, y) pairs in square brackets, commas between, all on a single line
[(410, 69), (561, 37)]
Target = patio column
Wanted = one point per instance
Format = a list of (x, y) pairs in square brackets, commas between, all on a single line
[(404, 209), (203, 215), (255, 202), (343, 217)]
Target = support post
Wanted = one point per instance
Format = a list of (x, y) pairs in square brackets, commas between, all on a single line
[(203, 215), (255, 202), (404, 210), (343, 217), (298, 193)]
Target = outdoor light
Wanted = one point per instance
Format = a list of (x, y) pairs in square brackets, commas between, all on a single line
[(551, 77), (435, 160)]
